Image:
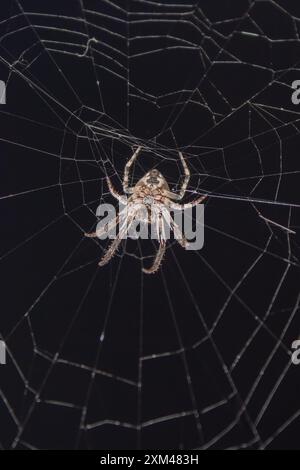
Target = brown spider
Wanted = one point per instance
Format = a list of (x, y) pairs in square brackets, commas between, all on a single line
[(151, 193)]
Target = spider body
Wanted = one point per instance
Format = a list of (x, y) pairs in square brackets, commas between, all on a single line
[(149, 200), (149, 196)]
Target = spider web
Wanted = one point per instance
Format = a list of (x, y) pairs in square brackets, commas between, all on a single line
[(199, 355)]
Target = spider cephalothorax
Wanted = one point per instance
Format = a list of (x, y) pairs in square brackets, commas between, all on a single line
[(151, 195), (154, 180)]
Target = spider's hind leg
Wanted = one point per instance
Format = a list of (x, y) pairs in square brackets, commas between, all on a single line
[(110, 252), (104, 229), (179, 236), (162, 246), (116, 242), (158, 259)]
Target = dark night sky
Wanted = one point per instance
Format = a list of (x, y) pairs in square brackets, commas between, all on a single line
[(181, 352)]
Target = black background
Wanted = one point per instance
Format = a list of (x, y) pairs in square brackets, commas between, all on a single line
[(109, 358)]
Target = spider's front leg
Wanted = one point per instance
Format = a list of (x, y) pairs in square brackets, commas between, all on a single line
[(122, 199), (187, 176), (178, 197), (127, 169)]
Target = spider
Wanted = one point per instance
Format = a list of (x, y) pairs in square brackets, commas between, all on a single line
[(151, 194)]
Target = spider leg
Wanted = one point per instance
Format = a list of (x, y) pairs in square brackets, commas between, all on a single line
[(110, 252), (104, 229), (122, 199), (181, 239), (116, 242), (186, 180), (187, 175), (126, 171), (161, 250), (178, 197), (158, 259), (188, 205)]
